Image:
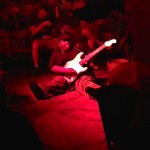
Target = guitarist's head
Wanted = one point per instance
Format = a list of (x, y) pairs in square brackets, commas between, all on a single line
[(65, 42)]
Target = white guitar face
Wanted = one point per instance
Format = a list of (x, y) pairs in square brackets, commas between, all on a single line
[(110, 42)]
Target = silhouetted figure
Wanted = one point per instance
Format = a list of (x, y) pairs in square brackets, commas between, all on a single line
[(15, 131), (42, 34), (118, 103)]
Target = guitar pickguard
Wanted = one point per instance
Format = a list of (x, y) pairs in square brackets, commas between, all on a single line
[(75, 64)]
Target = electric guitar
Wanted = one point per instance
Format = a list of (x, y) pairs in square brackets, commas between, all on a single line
[(77, 63)]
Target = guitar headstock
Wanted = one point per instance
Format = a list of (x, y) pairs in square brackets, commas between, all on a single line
[(110, 42)]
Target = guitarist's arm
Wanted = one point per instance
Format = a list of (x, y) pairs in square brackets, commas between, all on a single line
[(63, 71)]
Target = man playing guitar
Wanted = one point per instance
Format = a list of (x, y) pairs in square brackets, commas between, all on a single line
[(67, 76)]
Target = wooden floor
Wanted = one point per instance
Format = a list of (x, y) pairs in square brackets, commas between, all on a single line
[(65, 122)]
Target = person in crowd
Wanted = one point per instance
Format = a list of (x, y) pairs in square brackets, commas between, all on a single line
[(112, 26), (89, 23), (7, 18), (68, 23), (115, 27), (90, 30), (75, 25), (41, 27), (69, 75)]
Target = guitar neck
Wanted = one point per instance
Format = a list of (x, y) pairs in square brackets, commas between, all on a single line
[(88, 57)]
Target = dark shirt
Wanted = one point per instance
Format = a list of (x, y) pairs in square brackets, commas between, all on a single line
[(67, 19), (47, 30), (59, 58)]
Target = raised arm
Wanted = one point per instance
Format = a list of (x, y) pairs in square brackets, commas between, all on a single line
[(37, 29), (63, 71)]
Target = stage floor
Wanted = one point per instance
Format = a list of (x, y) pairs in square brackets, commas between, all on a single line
[(65, 122)]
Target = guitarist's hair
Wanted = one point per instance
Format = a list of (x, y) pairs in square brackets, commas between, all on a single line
[(66, 37)]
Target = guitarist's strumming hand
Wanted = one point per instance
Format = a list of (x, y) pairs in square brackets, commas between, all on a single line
[(64, 71), (71, 72)]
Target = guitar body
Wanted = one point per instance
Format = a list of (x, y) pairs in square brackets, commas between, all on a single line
[(75, 64)]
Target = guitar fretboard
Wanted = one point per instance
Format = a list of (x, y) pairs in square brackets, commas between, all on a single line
[(88, 57)]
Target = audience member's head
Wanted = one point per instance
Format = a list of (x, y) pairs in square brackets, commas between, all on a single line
[(43, 11)]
